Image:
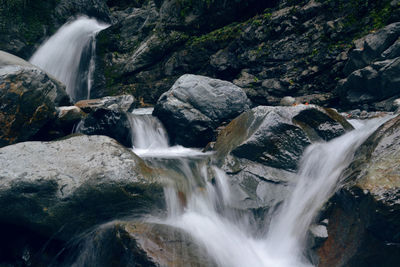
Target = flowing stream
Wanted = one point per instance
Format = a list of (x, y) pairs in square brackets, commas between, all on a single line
[(69, 55), (199, 196)]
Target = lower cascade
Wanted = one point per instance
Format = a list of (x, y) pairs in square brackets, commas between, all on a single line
[(199, 197), (69, 55)]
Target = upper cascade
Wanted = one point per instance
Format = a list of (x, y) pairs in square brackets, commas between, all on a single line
[(69, 55)]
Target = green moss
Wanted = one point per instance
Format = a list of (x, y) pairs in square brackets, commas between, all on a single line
[(219, 36), (27, 18)]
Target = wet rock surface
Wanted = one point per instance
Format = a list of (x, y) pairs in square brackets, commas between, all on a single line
[(364, 222), (29, 97), (112, 123), (124, 243), (46, 187), (277, 136), (196, 105)]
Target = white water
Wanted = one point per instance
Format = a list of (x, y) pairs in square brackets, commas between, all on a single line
[(150, 139), (68, 55), (202, 207)]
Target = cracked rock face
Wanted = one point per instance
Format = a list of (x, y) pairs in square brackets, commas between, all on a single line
[(68, 186)]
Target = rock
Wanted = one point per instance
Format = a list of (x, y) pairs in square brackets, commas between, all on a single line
[(125, 103), (371, 47), (28, 96), (123, 243), (13, 64), (277, 136), (60, 189), (196, 105), (69, 114), (371, 84), (371, 70), (288, 101), (257, 187), (112, 123), (365, 220)]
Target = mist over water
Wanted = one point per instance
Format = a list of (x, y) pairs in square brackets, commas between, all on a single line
[(68, 55)]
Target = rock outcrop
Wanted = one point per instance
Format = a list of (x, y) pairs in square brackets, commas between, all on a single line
[(373, 68), (364, 221), (29, 97), (196, 105), (296, 48)]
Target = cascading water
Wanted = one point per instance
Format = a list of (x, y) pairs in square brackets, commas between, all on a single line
[(198, 199), (69, 55)]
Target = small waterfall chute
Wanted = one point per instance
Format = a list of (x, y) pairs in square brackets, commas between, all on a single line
[(69, 54)]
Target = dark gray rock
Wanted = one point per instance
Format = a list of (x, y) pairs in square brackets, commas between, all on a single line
[(63, 188), (112, 123), (364, 221), (277, 136), (372, 84), (28, 96), (196, 105), (371, 47)]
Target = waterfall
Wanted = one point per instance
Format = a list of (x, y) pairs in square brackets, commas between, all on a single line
[(198, 198), (69, 54)]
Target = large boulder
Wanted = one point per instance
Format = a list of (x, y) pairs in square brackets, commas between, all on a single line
[(124, 243), (28, 96), (277, 136), (65, 187), (364, 222), (196, 105)]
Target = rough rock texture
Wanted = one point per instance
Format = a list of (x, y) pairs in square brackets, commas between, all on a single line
[(25, 24), (296, 48), (112, 123), (364, 223), (373, 68), (62, 188), (196, 105), (28, 98), (277, 136), (132, 53), (126, 244)]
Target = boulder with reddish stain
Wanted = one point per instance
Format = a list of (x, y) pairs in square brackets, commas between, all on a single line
[(28, 98), (364, 224)]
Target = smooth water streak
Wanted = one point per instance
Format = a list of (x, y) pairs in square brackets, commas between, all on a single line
[(199, 202), (68, 55)]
